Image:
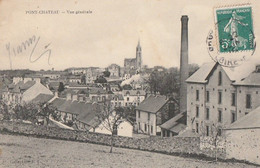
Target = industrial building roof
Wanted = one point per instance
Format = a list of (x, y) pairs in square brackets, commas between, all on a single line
[(176, 124), (251, 120)]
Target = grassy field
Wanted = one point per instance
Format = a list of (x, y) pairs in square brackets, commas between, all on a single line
[(22, 151)]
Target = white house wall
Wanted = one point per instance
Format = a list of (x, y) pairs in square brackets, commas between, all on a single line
[(243, 144), (34, 91)]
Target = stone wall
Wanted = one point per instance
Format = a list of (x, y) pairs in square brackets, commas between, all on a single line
[(185, 146)]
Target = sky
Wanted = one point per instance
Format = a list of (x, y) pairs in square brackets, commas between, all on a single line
[(107, 35)]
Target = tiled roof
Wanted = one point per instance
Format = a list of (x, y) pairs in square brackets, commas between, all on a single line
[(252, 80), (118, 96), (89, 116), (134, 92), (42, 98), (58, 102), (75, 84), (153, 103), (95, 90), (176, 124), (251, 120), (74, 107), (234, 74), (21, 86), (202, 73)]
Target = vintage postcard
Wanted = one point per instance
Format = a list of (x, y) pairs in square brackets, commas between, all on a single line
[(133, 83)]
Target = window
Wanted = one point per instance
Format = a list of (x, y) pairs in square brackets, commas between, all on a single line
[(219, 97), (220, 78), (233, 99), (233, 117), (207, 130), (248, 101), (219, 132), (219, 115), (139, 114), (197, 95), (148, 116), (139, 126), (207, 96), (127, 99), (151, 129), (145, 127), (207, 113), (197, 111), (197, 127)]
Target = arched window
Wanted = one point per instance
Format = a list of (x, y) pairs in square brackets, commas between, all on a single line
[(220, 78)]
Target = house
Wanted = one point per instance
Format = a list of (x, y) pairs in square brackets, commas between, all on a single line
[(88, 121), (23, 92), (174, 126), (114, 70), (51, 74), (74, 79), (117, 100), (69, 110), (220, 95), (4, 82), (152, 112), (98, 94), (243, 138), (125, 128), (133, 97)]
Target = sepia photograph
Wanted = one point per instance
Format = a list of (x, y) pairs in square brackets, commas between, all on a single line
[(133, 83)]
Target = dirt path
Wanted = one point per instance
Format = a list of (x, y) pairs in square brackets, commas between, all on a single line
[(22, 151)]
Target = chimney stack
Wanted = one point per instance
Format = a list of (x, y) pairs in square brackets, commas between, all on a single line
[(184, 69)]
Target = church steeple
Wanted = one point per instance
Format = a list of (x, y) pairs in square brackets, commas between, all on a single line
[(138, 56)]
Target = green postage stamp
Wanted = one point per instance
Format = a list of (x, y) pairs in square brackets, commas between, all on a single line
[(232, 41), (234, 29)]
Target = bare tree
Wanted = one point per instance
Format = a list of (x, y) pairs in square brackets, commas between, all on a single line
[(46, 110), (110, 119), (214, 133)]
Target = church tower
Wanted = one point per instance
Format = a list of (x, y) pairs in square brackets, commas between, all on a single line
[(138, 56)]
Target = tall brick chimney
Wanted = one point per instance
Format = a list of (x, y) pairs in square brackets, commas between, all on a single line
[(184, 69)]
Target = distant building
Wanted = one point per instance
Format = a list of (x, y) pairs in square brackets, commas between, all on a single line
[(23, 92), (114, 70), (91, 73), (133, 97), (74, 79), (134, 63), (98, 95), (117, 100), (137, 81)]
